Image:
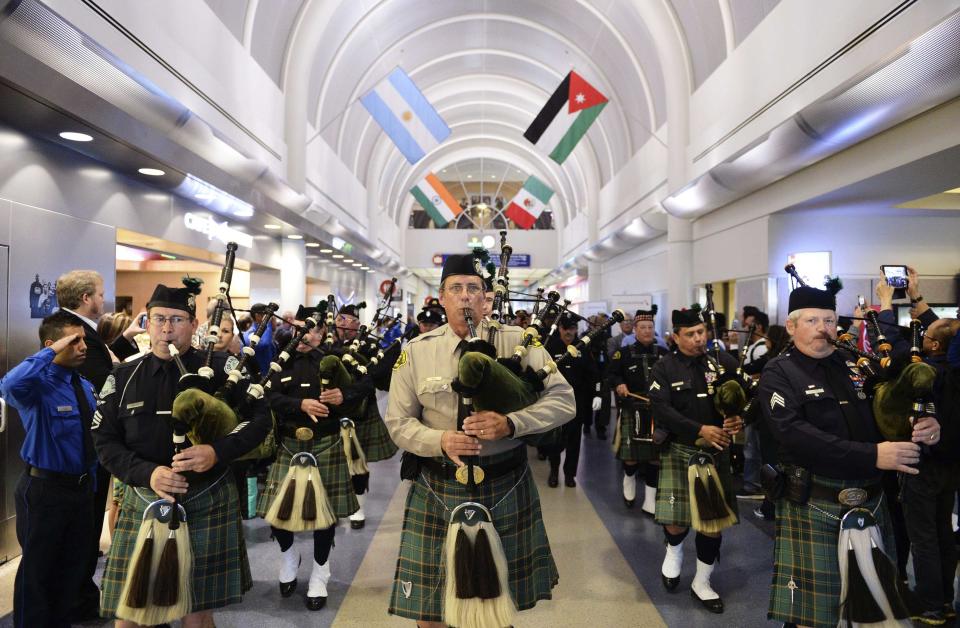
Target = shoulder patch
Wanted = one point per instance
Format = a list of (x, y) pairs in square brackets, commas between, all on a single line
[(109, 386), (655, 386), (401, 360), (616, 355), (777, 400), (230, 364)]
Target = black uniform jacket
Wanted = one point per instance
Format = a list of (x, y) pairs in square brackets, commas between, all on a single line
[(818, 411), (631, 366), (99, 364), (299, 380), (132, 430), (678, 392), (582, 373)]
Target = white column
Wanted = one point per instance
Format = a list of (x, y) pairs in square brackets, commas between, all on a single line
[(679, 263), (293, 275)]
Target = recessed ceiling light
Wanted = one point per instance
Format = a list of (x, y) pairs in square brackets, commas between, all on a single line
[(311, 257), (357, 264), (295, 236), (152, 172), (444, 170), (469, 176), (272, 227), (312, 244), (493, 176), (364, 268), (338, 256), (76, 137), (347, 260), (370, 271), (326, 250)]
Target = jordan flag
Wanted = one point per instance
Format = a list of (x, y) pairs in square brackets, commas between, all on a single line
[(566, 117), (529, 202)]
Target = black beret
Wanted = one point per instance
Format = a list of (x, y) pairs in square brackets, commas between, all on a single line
[(434, 303), (488, 284), (520, 313), (184, 298), (303, 313), (568, 320), (261, 308), (431, 315), (646, 315), (686, 318), (468, 264), (351, 310), (810, 297)]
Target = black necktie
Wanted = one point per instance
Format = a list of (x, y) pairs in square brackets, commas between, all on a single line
[(86, 418)]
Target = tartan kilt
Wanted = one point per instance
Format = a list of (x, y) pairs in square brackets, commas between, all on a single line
[(517, 519), (805, 551), (331, 464), (632, 450), (673, 489), (221, 571), (117, 488), (373, 435)]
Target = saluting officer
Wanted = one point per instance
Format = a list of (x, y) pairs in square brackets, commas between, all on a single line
[(629, 375), (133, 435), (682, 405), (422, 418), (814, 400), (295, 397), (583, 374)]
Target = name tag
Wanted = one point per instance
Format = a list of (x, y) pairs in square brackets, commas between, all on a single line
[(64, 408), (676, 384), (701, 394), (135, 405), (283, 380), (164, 411), (304, 385), (814, 391)]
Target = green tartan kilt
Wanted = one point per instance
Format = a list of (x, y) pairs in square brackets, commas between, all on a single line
[(515, 505), (118, 488), (221, 571), (805, 552), (373, 436), (673, 489), (631, 449), (331, 464)]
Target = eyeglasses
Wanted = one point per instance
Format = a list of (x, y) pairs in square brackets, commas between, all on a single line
[(160, 320), (458, 288)]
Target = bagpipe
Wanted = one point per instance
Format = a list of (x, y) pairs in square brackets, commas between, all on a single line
[(901, 387), (501, 293)]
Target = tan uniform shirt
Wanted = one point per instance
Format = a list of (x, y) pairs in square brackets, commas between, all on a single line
[(422, 404)]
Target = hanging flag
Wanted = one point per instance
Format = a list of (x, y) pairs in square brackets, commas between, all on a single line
[(403, 112), (436, 200), (529, 202), (566, 117)]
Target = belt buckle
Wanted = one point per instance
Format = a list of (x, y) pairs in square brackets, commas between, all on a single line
[(83, 478), (852, 497)]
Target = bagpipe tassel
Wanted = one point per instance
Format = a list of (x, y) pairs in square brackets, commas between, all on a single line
[(157, 589), (709, 511), (288, 495), (477, 590), (301, 503), (356, 459), (317, 513), (865, 597)]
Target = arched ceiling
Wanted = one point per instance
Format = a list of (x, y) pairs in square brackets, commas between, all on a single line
[(487, 66)]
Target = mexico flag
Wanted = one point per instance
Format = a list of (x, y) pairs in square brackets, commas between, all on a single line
[(529, 202), (566, 117), (436, 200)]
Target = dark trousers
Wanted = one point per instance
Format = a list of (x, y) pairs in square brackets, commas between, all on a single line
[(51, 517), (891, 490), (322, 542), (569, 442), (602, 416), (88, 601), (927, 501)]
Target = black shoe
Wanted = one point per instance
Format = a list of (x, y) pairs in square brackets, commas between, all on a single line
[(553, 480), (287, 588), (628, 502), (930, 618), (949, 612), (85, 615), (670, 584), (714, 606), (570, 482), (357, 524), (316, 603)]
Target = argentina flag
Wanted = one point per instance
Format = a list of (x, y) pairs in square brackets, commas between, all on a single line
[(403, 112)]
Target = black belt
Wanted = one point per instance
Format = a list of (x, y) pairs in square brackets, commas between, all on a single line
[(853, 496), (320, 429), (65, 479), (491, 471)]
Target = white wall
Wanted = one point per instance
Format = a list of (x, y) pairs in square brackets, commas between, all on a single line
[(640, 271)]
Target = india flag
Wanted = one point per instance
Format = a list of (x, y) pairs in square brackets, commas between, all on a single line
[(529, 202), (434, 197), (404, 113), (566, 117)]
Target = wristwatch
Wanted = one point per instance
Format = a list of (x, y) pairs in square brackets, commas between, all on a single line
[(917, 300), (512, 427)]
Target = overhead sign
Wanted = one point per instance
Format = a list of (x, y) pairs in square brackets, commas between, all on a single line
[(517, 260), (219, 230)]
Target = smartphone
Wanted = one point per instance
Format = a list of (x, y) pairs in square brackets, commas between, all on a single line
[(896, 277), (142, 321), (861, 302)]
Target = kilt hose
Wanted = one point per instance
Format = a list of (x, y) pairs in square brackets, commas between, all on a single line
[(629, 449), (418, 584), (373, 435), (673, 489), (331, 465), (805, 553), (221, 571)]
